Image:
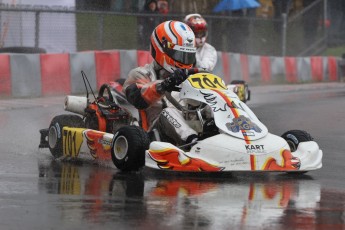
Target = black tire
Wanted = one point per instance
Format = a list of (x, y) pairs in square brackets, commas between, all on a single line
[(294, 137), (128, 148), (22, 49), (246, 89), (237, 82), (55, 131)]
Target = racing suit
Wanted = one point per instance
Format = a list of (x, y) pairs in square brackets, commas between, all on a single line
[(142, 89), (206, 57)]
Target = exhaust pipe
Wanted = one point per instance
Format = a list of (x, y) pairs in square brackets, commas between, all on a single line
[(76, 104)]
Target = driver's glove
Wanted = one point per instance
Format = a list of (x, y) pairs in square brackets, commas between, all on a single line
[(175, 79)]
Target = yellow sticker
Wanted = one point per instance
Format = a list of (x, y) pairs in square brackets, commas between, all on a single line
[(72, 140), (206, 81)]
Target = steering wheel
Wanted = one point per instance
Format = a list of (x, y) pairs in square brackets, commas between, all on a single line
[(176, 103), (182, 108)]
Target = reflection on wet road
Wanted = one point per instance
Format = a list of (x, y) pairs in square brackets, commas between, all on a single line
[(37, 192), (163, 201)]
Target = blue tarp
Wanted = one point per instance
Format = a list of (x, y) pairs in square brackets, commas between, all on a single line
[(230, 5)]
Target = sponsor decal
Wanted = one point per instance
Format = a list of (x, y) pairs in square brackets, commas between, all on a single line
[(104, 142), (198, 150), (243, 123), (255, 149), (235, 162), (191, 49), (171, 119), (99, 148), (248, 134), (171, 45)]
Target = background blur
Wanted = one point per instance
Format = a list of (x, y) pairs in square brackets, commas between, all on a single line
[(275, 28)]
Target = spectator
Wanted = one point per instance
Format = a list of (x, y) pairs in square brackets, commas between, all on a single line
[(151, 6), (147, 24), (163, 6), (206, 54)]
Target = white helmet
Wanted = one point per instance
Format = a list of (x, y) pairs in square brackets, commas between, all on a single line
[(173, 45)]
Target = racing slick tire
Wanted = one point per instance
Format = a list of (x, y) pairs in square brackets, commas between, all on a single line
[(128, 148), (22, 49), (294, 138), (55, 136), (244, 92)]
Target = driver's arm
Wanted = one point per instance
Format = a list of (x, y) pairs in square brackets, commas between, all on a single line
[(140, 90)]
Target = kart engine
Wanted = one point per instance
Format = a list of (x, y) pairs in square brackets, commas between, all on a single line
[(99, 115)]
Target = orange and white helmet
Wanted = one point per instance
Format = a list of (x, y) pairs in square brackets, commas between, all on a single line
[(199, 26), (173, 45)]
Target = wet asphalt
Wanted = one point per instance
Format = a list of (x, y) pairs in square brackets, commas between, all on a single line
[(38, 192)]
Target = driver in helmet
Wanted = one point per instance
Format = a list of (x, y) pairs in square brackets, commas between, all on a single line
[(173, 50), (206, 54)]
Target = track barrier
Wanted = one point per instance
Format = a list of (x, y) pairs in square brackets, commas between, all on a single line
[(35, 75)]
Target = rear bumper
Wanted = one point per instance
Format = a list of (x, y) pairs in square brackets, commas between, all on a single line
[(44, 138)]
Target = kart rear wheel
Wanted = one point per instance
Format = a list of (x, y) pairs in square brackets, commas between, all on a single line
[(128, 148), (55, 131), (294, 138)]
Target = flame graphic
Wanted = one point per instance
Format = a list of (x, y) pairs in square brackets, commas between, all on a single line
[(289, 162), (94, 143), (175, 160)]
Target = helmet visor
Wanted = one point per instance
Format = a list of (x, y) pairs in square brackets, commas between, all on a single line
[(181, 54)]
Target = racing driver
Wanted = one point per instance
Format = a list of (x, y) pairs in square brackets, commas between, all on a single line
[(173, 50), (206, 54)]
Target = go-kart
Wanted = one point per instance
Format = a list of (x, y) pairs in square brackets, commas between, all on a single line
[(234, 139)]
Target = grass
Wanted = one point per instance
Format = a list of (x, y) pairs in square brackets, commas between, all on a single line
[(100, 32), (335, 51)]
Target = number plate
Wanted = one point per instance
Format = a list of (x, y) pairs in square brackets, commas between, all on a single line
[(206, 81), (72, 140)]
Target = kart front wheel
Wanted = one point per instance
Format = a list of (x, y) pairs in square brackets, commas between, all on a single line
[(294, 138), (55, 135), (128, 148)]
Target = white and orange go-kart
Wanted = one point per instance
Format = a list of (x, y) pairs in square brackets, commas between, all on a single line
[(240, 142), (231, 138)]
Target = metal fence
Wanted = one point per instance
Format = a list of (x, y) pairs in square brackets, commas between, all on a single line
[(71, 31), (336, 15)]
